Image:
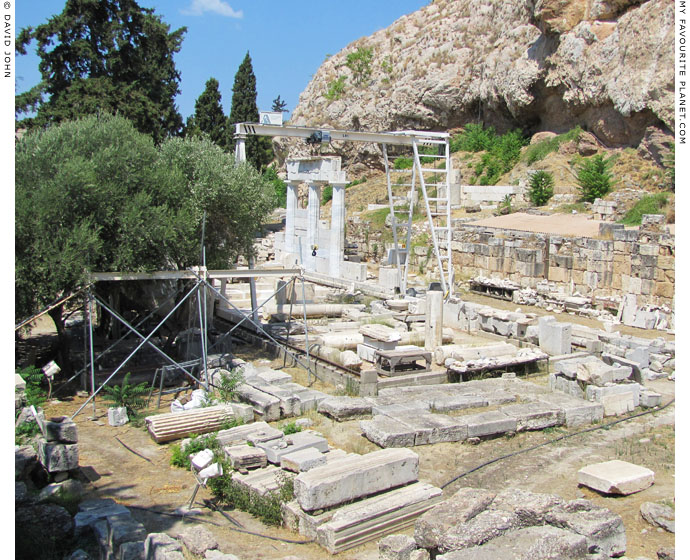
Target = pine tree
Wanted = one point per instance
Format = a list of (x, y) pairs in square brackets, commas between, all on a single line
[(208, 115), (279, 105), (244, 109), (110, 56)]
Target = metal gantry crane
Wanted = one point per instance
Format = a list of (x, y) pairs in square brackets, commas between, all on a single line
[(427, 148)]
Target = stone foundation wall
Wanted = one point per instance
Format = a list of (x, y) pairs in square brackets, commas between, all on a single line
[(627, 262)]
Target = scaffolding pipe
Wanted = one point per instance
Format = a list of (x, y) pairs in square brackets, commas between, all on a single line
[(93, 371), (151, 344), (93, 394), (259, 327), (306, 333)]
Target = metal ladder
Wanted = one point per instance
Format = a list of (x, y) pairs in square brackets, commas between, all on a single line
[(437, 208)]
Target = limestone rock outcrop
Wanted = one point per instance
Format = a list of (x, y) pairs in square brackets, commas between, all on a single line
[(543, 65)]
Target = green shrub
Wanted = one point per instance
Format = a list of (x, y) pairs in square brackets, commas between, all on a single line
[(540, 150), (356, 182), (33, 377), (403, 163), (359, 62), (594, 177), (502, 152), (24, 432), (278, 185), (540, 187), (326, 194), (267, 507), (227, 387), (180, 454), (291, 428), (474, 138), (336, 88), (650, 204), (132, 397)]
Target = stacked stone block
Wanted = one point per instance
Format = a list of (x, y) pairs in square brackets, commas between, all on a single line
[(639, 262)]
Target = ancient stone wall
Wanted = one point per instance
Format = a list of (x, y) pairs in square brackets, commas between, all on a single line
[(626, 262)]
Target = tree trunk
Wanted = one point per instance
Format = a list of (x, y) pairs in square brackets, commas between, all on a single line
[(64, 340)]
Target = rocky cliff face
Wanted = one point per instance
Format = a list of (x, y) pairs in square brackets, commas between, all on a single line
[(606, 65)]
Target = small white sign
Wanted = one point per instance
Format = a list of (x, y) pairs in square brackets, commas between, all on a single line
[(271, 117)]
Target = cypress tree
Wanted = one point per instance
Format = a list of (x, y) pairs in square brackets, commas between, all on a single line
[(208, 115), (110, 56), (244, 109)]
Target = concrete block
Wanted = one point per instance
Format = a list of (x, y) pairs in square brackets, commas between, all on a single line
[(274, 377), (616, 477), (355, 477), (92, 511), (385, 432), (123, 530), (650, 399), (117, 416), (345, 408), (245, 456), (278, 448), (433, 428), (555, 338), (58, 457), (303, 460), (488, 423), (366, 352), (265, 405), (258, 431), (577, 411), (598, 394), (374, 517), (534, 416), (60, 429)]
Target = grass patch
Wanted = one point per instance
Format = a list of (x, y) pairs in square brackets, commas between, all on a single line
[(291, 428), (648, 204), (266, 508), (24, 432), (576, 206), (541, 149)]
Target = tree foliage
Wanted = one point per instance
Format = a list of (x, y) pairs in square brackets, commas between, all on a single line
[(208, 115), (244, 109), (96, 195), (279, 105), (594, 177), (359, 63), (235, 198), (540, 187), (109, 56)]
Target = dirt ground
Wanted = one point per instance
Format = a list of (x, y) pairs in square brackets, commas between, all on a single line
[(152, 484)]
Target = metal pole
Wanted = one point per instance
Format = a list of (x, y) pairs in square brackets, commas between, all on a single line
[(259, 327), (203, 334), (244, 317), (93, 371), (306, 333), (113, 345), (133, 329), (287, 338), (193, 290)]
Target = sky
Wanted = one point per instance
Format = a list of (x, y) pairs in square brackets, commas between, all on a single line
[(287, 40)]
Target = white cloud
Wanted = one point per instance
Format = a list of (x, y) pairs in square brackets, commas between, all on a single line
[(219, 7)]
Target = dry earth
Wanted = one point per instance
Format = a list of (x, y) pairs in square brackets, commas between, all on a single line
[(152, 484)]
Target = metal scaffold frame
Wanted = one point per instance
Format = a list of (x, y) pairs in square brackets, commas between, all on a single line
[(203, 283), (437, 207)]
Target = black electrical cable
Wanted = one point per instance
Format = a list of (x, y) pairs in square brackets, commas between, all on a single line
[(566, 436)]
